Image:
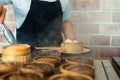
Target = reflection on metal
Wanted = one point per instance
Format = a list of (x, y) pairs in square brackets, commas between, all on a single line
[(8, 34)]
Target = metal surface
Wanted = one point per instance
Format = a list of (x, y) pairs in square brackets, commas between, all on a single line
[(50, 48), (8, 34)]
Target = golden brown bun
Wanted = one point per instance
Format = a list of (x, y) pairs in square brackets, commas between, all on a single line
[(71, 47), (70, 77), (16, 50)]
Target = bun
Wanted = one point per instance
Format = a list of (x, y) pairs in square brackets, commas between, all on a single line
[(71, 46)]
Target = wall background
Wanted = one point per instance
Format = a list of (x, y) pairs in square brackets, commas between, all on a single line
[(96, 23)]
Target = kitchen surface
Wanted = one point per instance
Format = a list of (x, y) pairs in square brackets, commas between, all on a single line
[(107, 67), (96, 24)]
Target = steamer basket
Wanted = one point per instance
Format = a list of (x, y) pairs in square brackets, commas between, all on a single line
[(18, 59), (20, 53)]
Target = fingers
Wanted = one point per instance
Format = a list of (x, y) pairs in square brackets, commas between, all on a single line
[(0, 9), (69, 41), (2, 14)]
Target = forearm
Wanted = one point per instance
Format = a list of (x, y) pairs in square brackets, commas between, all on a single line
[(68, 30)]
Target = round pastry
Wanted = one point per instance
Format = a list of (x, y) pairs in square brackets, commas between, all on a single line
[(22, 76), (16, 52), (70, 77), (71, 46), (6, 67), (79, 59), (45, 68), (77, 69), (50, 59)]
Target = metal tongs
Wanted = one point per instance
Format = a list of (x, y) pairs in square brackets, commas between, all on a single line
[(8, 34)]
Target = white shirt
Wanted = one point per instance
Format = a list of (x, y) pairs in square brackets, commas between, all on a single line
[(21, 9)]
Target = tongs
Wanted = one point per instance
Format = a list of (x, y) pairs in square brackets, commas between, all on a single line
[(8, 34), (6, 31)]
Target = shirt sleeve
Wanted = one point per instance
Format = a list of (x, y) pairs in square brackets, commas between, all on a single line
[(5, 2), (66, 11)]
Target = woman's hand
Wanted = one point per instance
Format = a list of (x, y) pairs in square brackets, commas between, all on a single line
[(71, 41), (2, 14)]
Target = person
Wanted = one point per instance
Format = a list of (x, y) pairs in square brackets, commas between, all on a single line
[(2, 14), (41, 22)]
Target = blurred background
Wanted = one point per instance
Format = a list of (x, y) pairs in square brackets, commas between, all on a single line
[(96, 23)]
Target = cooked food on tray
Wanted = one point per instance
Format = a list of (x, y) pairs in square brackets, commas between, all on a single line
[(77, 69)]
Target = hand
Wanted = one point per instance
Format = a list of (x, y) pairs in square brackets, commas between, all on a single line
[(69, 40), (0, 9), (2, 14)]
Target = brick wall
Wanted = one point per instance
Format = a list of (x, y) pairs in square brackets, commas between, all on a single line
[(96, 23)]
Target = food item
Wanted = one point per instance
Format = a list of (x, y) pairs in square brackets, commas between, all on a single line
[(16, 52), (6, 67), (69, 77), (71, 46), (22, 76), (50, 59), (45, 68), (79, 59), (77, 69)]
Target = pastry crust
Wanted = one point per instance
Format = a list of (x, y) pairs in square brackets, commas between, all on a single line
[(79, 60), (77, 69), (16, 50), (22, 76), (6, 67), (70, 77), (50, 59), (45, 68)]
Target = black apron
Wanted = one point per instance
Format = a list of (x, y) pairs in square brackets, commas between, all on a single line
[(43, 25)]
